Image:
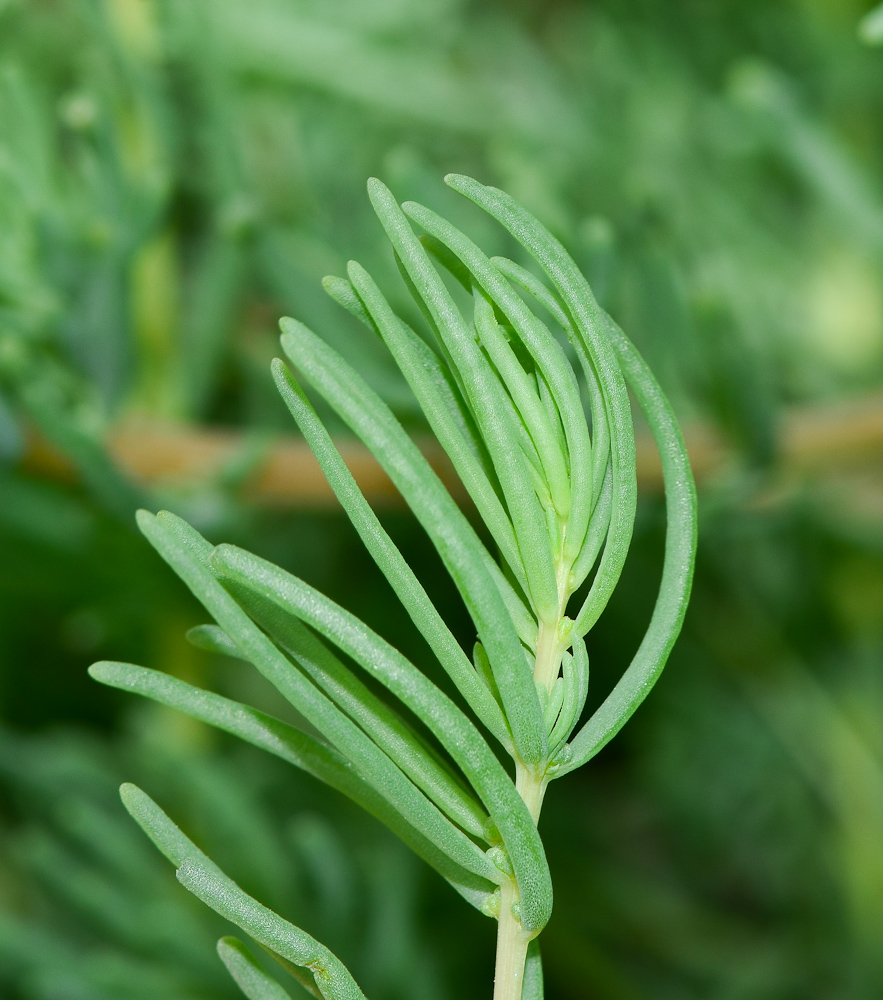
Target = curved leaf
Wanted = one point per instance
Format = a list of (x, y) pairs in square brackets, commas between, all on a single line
[(205, 880), (183, 549), (452, 728), (677, 572), (297, 748), (452, 535), (249, 976), (387, 556)]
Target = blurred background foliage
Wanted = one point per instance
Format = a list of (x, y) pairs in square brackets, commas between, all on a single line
[(176, 174)]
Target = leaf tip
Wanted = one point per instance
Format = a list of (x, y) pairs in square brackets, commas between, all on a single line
[(224, 557), (294, 333), (144, 519), (133, 798), (458, 181), (278, 368), (100, 671), (355, 270), (379, 194), (233, 953)]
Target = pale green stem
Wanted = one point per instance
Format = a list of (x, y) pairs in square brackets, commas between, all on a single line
[(512, 942), (512, 938), (549, 650)]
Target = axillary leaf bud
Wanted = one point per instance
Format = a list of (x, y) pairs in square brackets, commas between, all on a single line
[(501, 860), (491, 905)]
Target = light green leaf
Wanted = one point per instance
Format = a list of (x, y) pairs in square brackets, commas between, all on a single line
[(249, 976), (533, 973), (389, 731), (589, 326), (205, 880), (292, 745), (448, 260), (608, 348), (430, 382), (212, 639), (522, 389), (401, 577), (483, 669), (454, 538), (482, 390), (526, 626), (177, 544), (534, 286), (599, 527), (208, 883), (553, 705), (451, 727), (677, 572), (525, 409), (575, 489), (576, 688), (344, 295)]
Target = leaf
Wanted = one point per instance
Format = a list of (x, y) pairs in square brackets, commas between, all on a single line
[(401, 577), (212, 639), (532, 284), (205, 880), (589, 328), (292, 745), (609, 349), (600, 431), (553, 705), (430, 381), (602, 470), (452, 535), (249, 976), (677, 571), (385, 727), (576, 688), (344, 295), (525, 397), (599, 528), (483, 391), (451, 727), (533, 973), (208, 883), (448, 260), (483, 669), (551, 361), (182, 547)]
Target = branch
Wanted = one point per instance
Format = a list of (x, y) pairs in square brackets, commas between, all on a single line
[(283, 472)]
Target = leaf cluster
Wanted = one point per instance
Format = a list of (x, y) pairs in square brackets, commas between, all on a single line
[(556, 492)]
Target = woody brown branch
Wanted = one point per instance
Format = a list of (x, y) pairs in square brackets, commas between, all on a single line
[(284, 473)]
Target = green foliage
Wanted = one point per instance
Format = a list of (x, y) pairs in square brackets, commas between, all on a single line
[(164, 194), (507, 382), (177, 176), (87, 907)]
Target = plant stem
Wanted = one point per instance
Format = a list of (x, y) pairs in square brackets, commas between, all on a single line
[(512, 938), (512, 942), (549, 650)]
